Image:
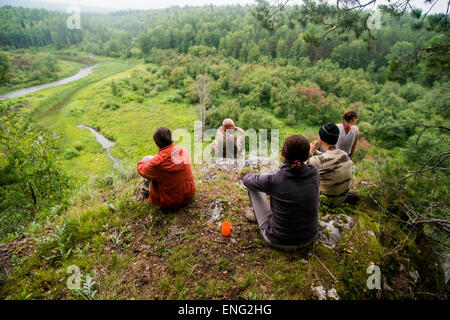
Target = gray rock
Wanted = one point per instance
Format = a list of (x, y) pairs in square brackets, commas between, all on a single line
[(386, 286), (371, 233), (331, 228), (320, 292), (240, 163), (216, 210), (415, 276), (332, 294), (174, 232)]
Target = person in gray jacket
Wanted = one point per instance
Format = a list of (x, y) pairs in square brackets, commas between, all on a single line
[(290, 220)]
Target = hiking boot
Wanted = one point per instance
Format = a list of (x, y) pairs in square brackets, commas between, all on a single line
[(145, 190), (352, 198), (250, 215)]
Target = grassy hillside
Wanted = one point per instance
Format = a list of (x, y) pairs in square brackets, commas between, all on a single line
[(137, 251), (134, 250)]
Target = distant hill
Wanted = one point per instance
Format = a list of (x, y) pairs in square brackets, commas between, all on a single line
[(51, 6)]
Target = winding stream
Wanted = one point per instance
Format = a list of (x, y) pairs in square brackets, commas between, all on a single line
[(84, 72), (106, 144)]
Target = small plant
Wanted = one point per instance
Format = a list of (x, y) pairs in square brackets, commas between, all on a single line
[(64, 253), (249, 296), (115, 88), (109, 104), (87, 289), (116, 236), (78, 145), (71, 153), (24, 295)]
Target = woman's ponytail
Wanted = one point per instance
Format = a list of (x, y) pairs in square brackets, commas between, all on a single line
[(298, 165), (296, 151)]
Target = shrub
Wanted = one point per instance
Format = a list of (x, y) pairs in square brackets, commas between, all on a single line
[(258, 118), (161, 85), (71, 153), (115, 88), (366, 129), (175, 98), (109, 105), (229, 109), (78, 145)]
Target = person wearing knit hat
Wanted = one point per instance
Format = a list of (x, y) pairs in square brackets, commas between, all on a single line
[(329, 133), (334, 165)]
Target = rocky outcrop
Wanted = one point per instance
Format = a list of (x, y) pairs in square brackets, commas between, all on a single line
[(331, 227), (323, 294)]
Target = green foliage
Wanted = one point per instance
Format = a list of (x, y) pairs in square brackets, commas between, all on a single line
[(257, 119), (412, 92), (400, 54), (228, 109), (78, 145), (421, 149), (33, 155), (30, 171), (285, 79), (437, 101), (87, 290), (353, 55), (437, 63), (71, 153), (175, 98), (109, 104), (350, 20), (22, 28), (4, 69), (27, 69), (115, 89), (202, 51), (415, 187)]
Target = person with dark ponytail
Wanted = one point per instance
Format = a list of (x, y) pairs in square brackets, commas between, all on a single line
[(290, 219)]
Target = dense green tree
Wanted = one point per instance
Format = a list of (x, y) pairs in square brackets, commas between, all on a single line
[(401, 53), (4, 69), (353, 55), (351, 19)]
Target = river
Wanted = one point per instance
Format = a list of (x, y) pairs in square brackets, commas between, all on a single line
[(106, 144), (84, 72)]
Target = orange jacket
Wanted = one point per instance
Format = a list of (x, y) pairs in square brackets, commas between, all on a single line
[(172, 180)]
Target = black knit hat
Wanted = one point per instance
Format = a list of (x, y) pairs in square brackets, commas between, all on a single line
[(329, 133)]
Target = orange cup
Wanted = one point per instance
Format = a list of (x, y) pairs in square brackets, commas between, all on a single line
[(226, 228)]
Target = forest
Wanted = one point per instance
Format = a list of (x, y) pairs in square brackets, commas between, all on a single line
[(62, 203)]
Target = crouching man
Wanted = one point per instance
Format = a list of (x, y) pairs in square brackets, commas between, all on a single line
[(172, 183), (231, 137)]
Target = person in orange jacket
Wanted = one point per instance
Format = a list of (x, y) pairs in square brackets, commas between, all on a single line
[(172, 182)]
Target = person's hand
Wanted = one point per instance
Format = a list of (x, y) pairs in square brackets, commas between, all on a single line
[(147, 158), (313, 146)]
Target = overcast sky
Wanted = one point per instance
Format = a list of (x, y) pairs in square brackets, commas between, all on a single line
[(441, 6), (149, 4)]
